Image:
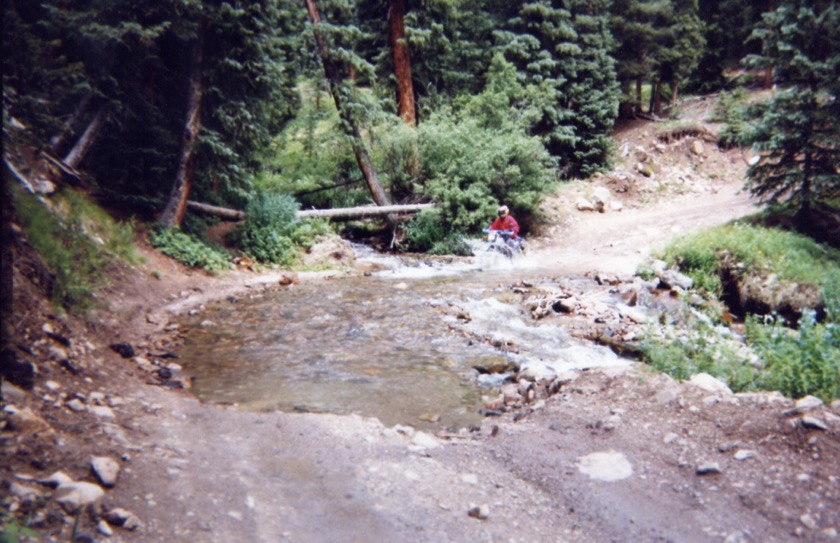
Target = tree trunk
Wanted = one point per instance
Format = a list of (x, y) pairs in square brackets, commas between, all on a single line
[(333, 77), (57, 141), (216, 211), (674, 96), (176, 207), (339, 212), (402, 62), (655, 92), (91, 134), (637, 106)]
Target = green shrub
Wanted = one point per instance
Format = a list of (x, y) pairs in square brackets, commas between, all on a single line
[(272, 231), (427, 233), (798, 362), (701, 349), (188, 249)]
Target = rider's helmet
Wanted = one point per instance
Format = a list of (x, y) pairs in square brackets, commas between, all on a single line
[(502, 211)]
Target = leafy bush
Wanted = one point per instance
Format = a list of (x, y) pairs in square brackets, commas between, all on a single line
[(701, 349), (798, 362), (272, 231), (188, 249), (428, 233)]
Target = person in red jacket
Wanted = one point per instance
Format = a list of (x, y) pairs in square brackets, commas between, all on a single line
[(506, 222)]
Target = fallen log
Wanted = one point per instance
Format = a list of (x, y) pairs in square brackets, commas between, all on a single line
[(216, 211), (362, 211), (337, 213)]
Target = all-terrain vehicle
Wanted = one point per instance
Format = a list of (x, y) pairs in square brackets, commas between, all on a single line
[(504, 242)]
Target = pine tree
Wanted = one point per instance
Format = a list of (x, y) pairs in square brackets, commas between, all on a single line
[(797, 133), (562, 50)]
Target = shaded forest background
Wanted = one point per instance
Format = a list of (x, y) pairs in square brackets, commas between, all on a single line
[(271, 106)]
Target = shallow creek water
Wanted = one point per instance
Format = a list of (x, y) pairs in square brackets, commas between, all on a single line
[(388, 346)]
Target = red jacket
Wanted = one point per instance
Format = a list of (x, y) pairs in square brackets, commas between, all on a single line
[(506, 223)]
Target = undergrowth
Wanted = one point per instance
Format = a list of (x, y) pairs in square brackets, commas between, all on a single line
[(189, 249), (76, 240), (794, 358)]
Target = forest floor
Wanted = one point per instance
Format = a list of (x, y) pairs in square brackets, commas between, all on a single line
[(617, 455)]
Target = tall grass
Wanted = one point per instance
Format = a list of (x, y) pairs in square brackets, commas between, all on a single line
[(76, 240)]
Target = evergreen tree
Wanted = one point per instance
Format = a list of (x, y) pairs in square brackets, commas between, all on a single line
[(797, 132), (561, 48)]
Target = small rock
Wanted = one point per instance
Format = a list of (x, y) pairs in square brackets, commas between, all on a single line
[(670, 438), (814, 423), (807, 403), (76, 405), (25, 420), (125, 350), (584, 205), (709, 383), (808, 521), (104, 528), (423, 440), (430, 417), (76, 495), (56, 479), (124, 518), (207, 324), (709, 468), (106, 470), (25, 494), (481, 512), (102, 411), (698, 148), (744, 454)]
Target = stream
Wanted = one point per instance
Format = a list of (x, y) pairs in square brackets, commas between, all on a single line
[(399, 345)]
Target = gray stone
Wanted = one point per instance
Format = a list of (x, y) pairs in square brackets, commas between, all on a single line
[(698, 148), (76, 495), (24, 420), (422, 440), (124, 518), (102, 411), (670, 438), (76, 405), (814, 423), (808, 521), (584, 205), (807, 403), (481, 512), (673, 278), (106, 470), (708, 468), (56, 479), (744, 454), (709, 383), (104, 528), (25, 493)]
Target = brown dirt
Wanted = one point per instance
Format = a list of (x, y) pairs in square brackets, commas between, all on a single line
[(201, 473)]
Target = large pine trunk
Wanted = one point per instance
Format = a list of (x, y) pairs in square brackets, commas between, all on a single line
[(334, 77), (89, 137), (402, 62), (176, 207)]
